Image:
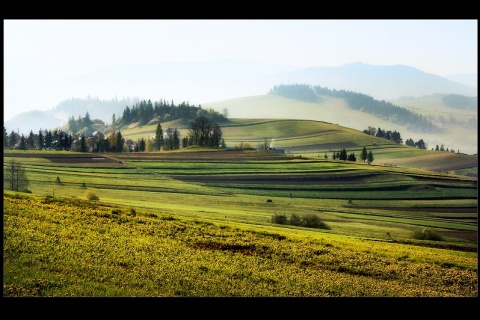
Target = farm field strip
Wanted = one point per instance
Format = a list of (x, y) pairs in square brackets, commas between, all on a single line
[(354, 193), (406, 219), (200, 185)]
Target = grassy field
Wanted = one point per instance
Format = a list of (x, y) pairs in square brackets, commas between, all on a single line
[(315, 139), (203, 223)]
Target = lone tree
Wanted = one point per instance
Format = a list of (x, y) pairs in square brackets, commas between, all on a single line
[(15, 177), (205, 133)]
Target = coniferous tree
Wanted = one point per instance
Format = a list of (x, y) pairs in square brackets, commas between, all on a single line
[(48, 139), (40, 140), (31, 140), (185, 142), (141, 145), (176, 139), (83, 144), (12, 139), (370, 157), (72, 124), (420, 144), (87, 122), (158, 140), (118, 142), (409, 142), (364, 154), (23, 143)]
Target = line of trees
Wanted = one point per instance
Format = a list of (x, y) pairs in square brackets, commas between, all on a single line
[(203, 132), (395, 136), (358, 101), (44, 139), (365, 155), (145, 111)]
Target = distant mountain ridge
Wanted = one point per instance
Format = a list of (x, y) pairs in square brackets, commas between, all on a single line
[(191, 82), (380, 82)]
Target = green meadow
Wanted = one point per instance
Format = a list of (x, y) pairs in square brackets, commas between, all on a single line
[(244, 223)]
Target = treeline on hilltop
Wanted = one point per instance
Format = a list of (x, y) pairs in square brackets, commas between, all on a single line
[(458, 101), (84, 134), (358, 101), (301, 92), (144, 113)]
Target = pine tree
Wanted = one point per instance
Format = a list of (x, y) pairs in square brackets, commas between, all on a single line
[(118, 142), (158, 140), (31, 141), (83, 144), (12, 139), (23, 143), (370, 157), (40, 141), (364, 154)]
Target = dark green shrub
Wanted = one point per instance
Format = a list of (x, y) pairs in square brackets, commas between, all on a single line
[(313, 221), (295, 220), (426, 234), (310, 220), (279, 219)]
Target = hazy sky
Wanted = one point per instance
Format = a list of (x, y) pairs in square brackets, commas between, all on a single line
[(39, 52)]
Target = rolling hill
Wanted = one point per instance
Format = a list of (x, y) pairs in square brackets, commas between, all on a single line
[(317, 139), (459, 135)]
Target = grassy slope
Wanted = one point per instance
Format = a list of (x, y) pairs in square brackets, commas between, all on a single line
[(216, 186), (314, 139), (185, 234), (335, 111), (81, 249)]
